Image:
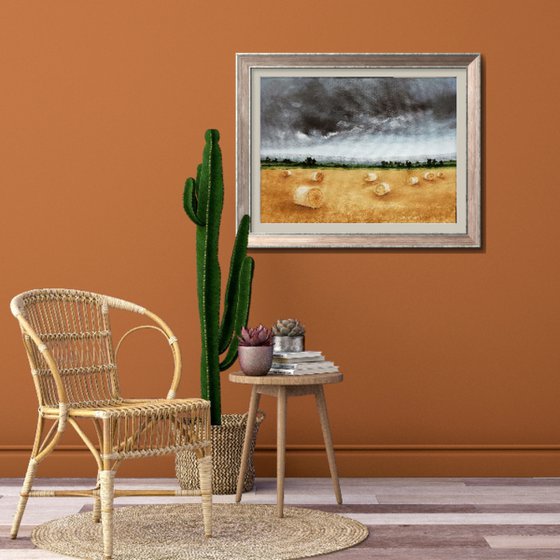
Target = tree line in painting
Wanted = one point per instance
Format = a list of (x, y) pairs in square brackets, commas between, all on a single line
[(309, 162)]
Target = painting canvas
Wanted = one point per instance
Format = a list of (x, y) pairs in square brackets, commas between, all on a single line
[(359, 150)]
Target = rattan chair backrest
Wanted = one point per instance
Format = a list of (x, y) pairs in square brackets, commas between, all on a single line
[(71, 328)]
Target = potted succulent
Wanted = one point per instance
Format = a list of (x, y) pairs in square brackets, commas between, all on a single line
[(255, 350), (289, 336), (203, 203)]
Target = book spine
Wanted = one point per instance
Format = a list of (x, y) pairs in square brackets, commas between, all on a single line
[(303, 366), (295, 355), (313, 360), (283, 371)]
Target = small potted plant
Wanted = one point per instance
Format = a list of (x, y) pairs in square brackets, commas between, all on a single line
[(255, 350), (289, 336)]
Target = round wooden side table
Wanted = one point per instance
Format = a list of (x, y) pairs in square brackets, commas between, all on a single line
[(282, 387)]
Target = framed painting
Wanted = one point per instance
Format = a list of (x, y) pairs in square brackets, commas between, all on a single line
[(359, 150)]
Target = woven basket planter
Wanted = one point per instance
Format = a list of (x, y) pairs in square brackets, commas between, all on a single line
[(227, 448)]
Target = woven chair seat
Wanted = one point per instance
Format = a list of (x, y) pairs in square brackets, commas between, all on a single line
[(143, 428), (136, 407)]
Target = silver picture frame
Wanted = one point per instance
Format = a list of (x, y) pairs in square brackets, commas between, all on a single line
[(465, 232)]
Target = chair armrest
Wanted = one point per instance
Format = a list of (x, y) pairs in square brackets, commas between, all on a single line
[(171, 339)]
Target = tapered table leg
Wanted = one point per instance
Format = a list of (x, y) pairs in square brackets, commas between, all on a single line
[(324, 417), (281, 449), (253, 407)]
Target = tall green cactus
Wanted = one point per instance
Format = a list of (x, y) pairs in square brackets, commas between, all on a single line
[(203, 202)]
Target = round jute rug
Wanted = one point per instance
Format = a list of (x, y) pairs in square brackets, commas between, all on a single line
[(174, 532)]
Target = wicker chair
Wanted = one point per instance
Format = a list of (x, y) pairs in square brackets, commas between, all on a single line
[(67, 336)]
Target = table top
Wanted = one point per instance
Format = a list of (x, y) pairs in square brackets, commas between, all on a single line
[(271, 379)]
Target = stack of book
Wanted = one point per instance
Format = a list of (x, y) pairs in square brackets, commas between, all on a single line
[(300, 363)]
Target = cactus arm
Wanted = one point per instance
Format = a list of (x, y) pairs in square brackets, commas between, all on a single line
[(190, 202), (230, 300), (242, 305)]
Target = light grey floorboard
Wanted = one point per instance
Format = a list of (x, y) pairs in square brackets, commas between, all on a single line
[(465, 553), (34, 554), (538, 481), (524, 541), (490, 495), (456, 518)]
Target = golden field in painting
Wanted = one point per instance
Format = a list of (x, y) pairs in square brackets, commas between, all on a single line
[(348, 198)]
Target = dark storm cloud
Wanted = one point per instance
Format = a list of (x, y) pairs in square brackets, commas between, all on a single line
[(299, 111)]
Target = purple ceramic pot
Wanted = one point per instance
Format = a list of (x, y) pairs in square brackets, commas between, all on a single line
[(255, 360)]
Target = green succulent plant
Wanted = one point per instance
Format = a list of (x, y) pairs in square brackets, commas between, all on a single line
[(259, 336), (288, 327)]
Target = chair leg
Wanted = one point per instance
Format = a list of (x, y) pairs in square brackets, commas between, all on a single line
[(24, 496), (107, 491), (97, 503), (205, 476), (29, 476)]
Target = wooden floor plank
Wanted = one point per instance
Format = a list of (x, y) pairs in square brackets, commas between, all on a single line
[(506, 496), (449, 536), (392, 508), (436, 508), (456, 518), (6, 543), (524, 541), (35, 554), (512, 482), (357, 553)]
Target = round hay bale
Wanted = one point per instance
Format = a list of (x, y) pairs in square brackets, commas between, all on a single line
[(429, 176), (370, 177), (440, 174), (317, 176), (286, 173), (382, 189), (312, 197), (414, 181)]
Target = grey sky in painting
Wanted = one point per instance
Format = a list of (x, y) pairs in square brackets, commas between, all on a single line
[(366, 119)]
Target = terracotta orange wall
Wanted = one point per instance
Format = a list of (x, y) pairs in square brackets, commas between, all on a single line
[(451, 357)]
